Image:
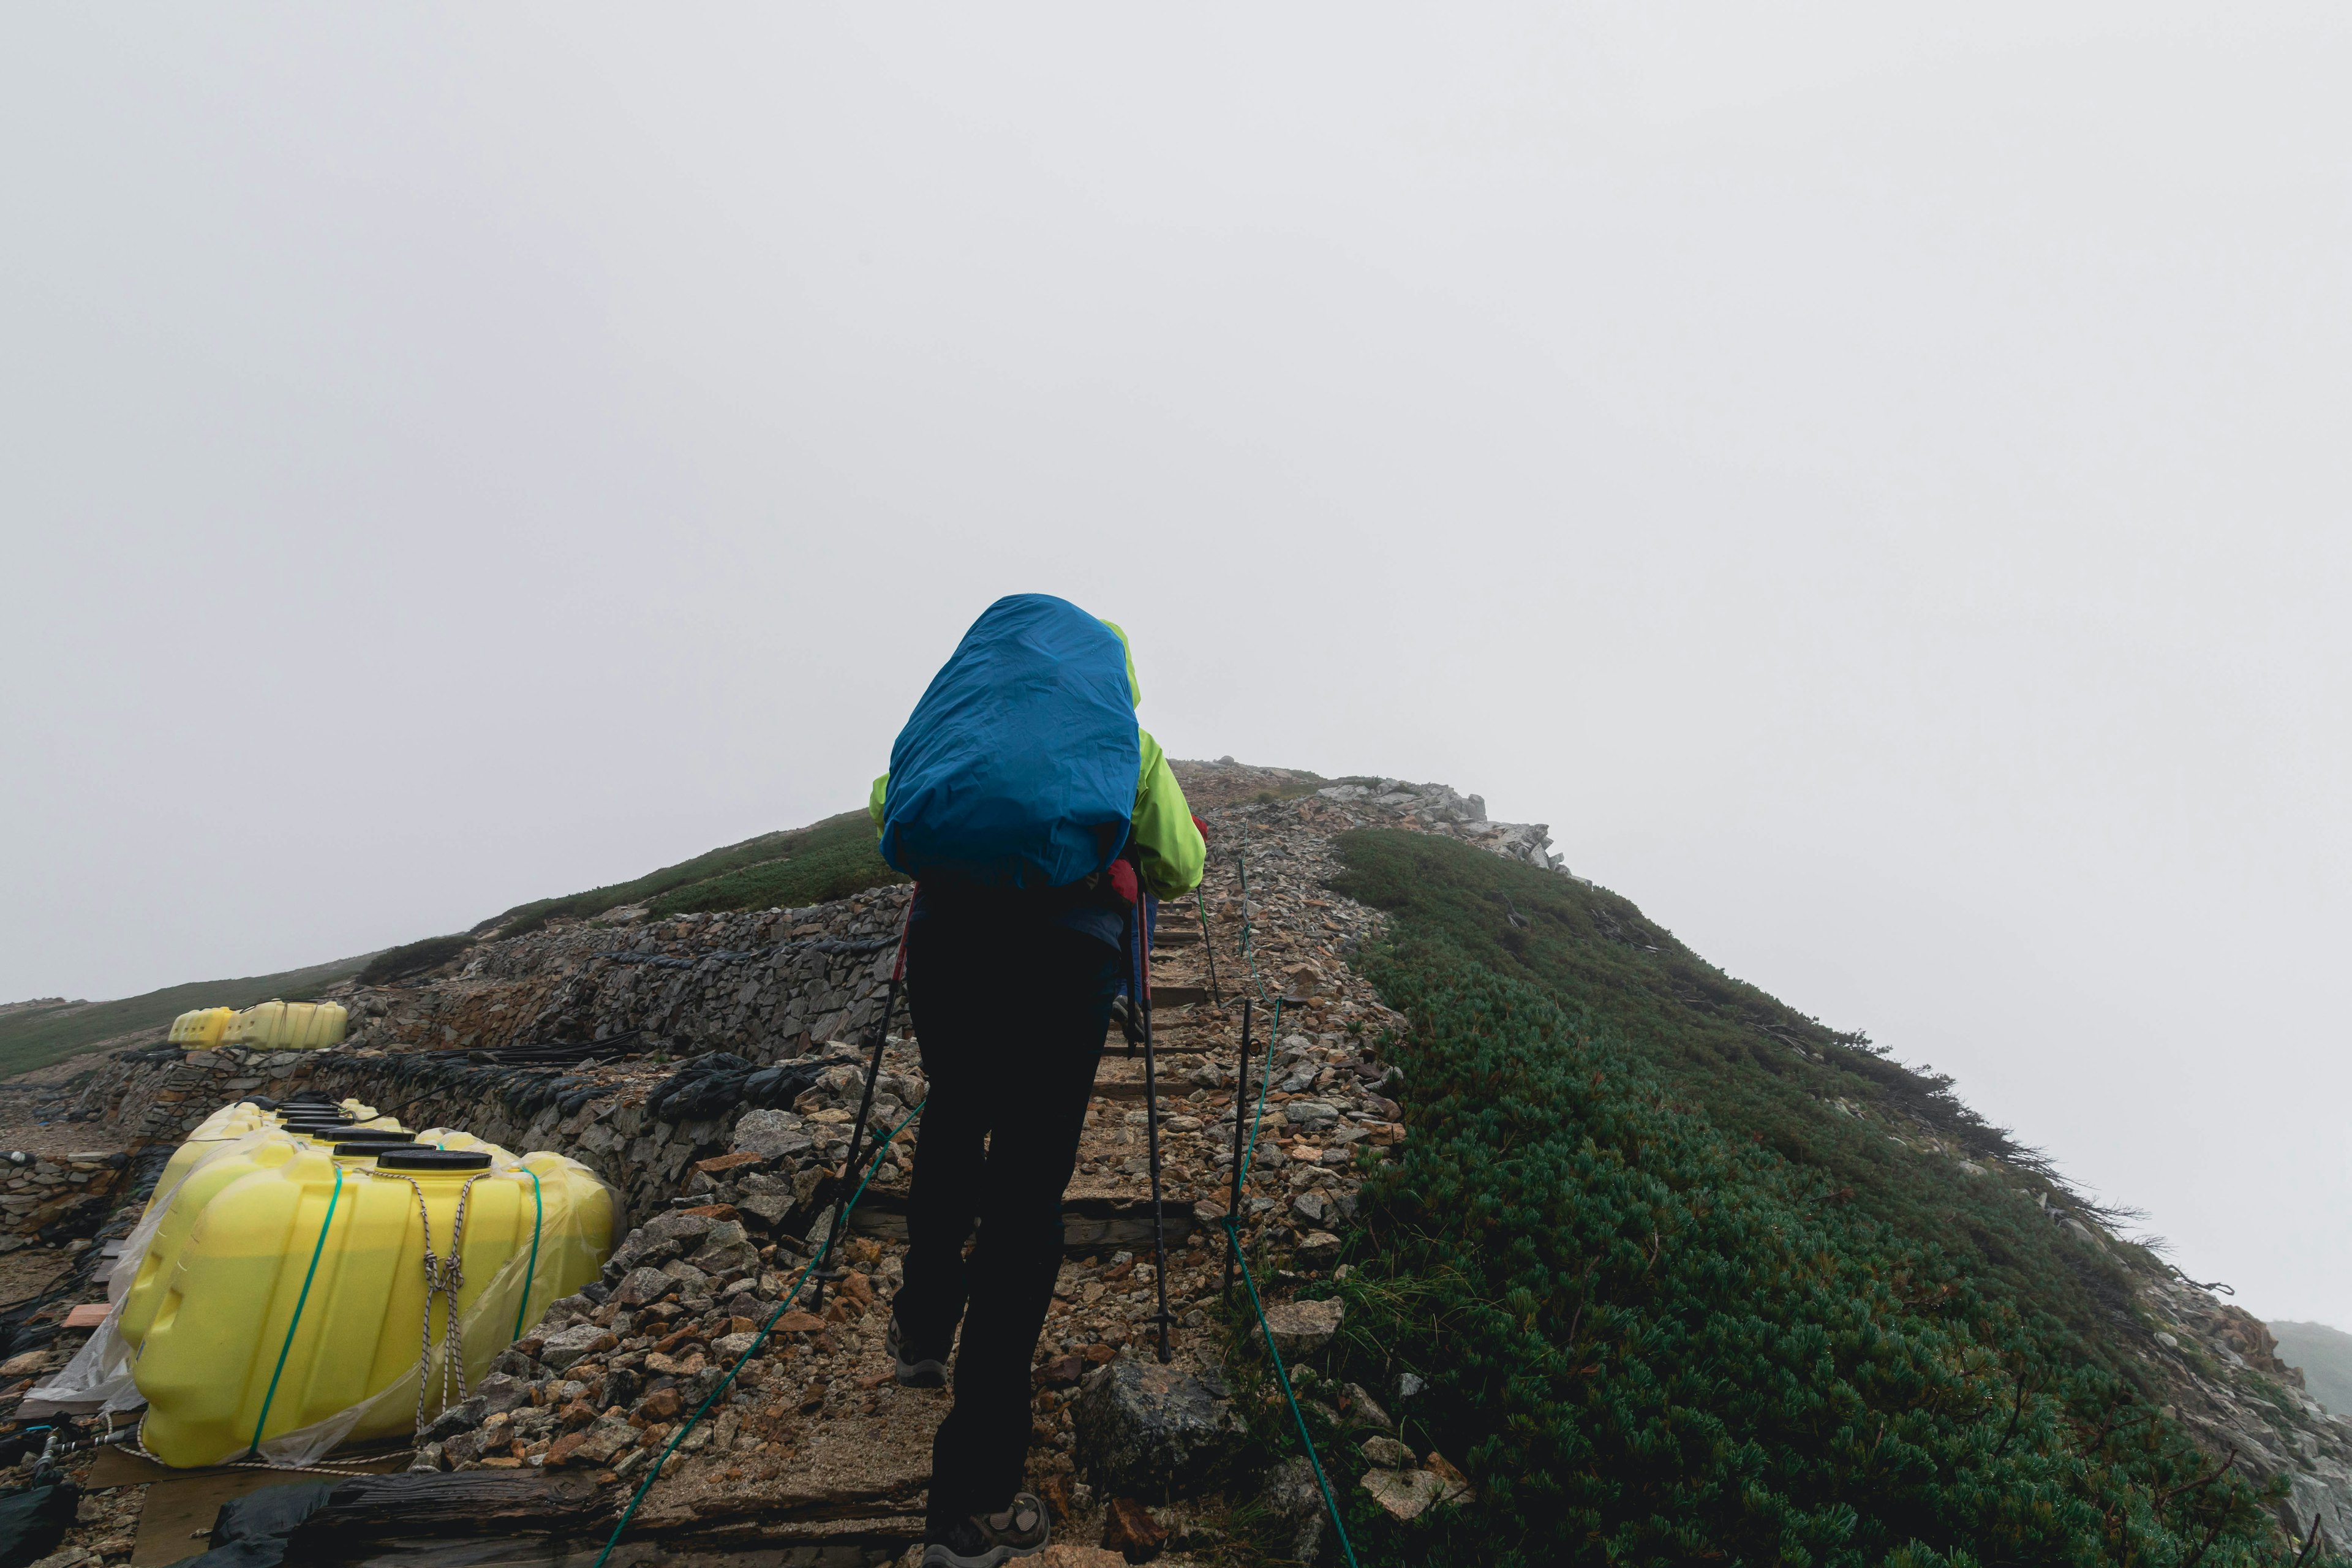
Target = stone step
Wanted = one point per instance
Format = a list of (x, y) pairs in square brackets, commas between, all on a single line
[(1088, 1224)]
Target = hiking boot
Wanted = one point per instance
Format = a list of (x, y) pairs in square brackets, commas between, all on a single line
[(915, 1370), (984, 1540)]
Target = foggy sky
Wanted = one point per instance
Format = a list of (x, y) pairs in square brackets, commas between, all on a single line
[(1876, 487)]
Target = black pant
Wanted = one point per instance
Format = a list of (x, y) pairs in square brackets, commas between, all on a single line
[(1011, 1013)]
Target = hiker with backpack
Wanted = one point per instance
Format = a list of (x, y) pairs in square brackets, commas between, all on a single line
[(1033, 813)]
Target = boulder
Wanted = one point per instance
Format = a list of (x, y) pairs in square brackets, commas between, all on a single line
[(595, 1444), (1406, 1494), (771, 1135), (1153, 1431), (1302, 1328), (643, 1287), (1296, 1504), (565, 1346), (1318, 1250), (1129, 1529)]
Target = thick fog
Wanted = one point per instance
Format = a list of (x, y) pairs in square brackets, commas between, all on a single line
[(1876, 487)]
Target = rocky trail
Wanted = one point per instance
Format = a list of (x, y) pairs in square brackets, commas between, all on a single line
[(711, 1067)]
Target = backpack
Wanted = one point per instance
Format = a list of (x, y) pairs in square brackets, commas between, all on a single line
[(1018, 767)]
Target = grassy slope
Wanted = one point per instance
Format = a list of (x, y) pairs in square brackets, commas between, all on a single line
[(1671, 1302), (1754, 1066), (35, 1040), (829, 859)]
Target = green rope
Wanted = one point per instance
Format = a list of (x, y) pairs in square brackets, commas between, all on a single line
[(1232, 1222), (1264, 1078), (1296, 1413), (530, 1273), (300, 1302), (654, 1472)]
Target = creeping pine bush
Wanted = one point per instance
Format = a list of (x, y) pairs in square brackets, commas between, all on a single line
[(1648, 1342)]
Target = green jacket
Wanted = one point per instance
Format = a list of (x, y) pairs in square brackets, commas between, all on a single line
[(1164, 838)]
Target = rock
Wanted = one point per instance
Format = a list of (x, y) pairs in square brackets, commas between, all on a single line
[(1129, 1529), (1302, 1328), (569, 1345), (500, 1393), (768, 1209), (428, 1457), (733, 1345), (1364, 1411), (1066, 1554), (593, 1445), (643, 1287), (24, 1364), (771, 1134), (1297, 1502), (1318, 1250), (1156, 1431), (1312, 1206), (1388, 1454), (1406, 1494), (1059, 1373), (1457, 1485), (799, 1322), (455, 1419)]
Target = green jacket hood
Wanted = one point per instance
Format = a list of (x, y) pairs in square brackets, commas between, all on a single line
[(1134, 687)]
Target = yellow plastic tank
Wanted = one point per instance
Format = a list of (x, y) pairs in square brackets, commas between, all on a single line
[(212, 1171), (226, 1125), (200, 1030), (452, 1137), (287, 1026), (300, 1295), (234, 1122)]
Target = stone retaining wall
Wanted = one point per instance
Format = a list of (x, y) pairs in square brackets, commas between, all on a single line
[(756, 984)]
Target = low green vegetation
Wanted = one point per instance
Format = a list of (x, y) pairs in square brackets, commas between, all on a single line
[(1669, 1300), (411, 958), (36, 1038), (829, 859)]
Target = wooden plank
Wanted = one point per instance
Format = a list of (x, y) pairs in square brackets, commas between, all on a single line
[(367, 1509), (1088, 1224)]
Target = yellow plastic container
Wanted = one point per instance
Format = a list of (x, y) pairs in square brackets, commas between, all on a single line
[(360, 1112), (297, 1305), (215, 1167), (200, 1030), (226, 1125), (287, 1026), (233, 1122), (451, 1137)]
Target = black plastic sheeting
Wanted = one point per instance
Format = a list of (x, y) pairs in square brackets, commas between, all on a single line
[(32, 1522), (708, 1086), (251, 1531)]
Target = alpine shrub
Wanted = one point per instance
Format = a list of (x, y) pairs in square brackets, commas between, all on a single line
[(1646, 1341)]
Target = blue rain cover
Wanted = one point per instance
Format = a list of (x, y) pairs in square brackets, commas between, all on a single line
[(1018, 768)]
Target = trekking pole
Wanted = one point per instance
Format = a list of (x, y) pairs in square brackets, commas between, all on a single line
[(1234, 1204), (1152, 1124), (865, 1109), (1209, 946)]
